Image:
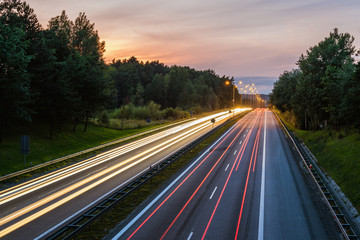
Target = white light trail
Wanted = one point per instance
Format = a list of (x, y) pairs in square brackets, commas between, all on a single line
[(100, 177), (23, 189)]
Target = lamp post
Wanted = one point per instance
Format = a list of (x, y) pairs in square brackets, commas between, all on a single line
[(233, 99), (234, 87), (240, 83), (254, 92), (241, 90), (246, 90)]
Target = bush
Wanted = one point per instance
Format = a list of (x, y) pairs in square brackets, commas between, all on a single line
[(115, 114), (124, 112), (182, 114), (169, 113), (140, 113), (104, 118), (197, 109)]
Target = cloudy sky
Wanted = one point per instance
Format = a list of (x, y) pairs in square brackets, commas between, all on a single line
[(252, 40)]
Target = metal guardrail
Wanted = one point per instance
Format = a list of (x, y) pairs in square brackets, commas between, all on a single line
[(90, 215), (310, 163), (57, 160)]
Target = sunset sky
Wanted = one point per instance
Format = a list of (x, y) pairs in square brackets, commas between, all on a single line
[(252, 40)]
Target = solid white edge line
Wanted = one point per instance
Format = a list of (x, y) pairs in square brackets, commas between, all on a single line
[(119, 234), (262, 191), (213, 193), (107, 156), (100, 199), (88, 206), (115, 189), (109, 193)]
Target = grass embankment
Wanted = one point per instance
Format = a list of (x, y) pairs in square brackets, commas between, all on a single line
[(110, 219), (338, 153), (66, 142)]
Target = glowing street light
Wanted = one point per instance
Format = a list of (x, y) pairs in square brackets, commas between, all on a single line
[(233, 99)]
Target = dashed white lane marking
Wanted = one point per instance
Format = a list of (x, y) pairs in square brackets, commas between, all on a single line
[(235, 152), (244, 135), (213, 193), (227, 167), (240, 143), (190, 235)]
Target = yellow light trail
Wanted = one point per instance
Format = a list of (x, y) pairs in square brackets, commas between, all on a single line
[(81, 191), (33, 185), (54, 196)]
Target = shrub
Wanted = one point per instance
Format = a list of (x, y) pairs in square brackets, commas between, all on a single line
[(104, 118), (180, 114), (140, 113), (169, 113)]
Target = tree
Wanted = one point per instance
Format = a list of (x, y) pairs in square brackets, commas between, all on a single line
[(324, 89), (350, 107), (138, 98), (125, 112), (321, 67), (157, 89), (284, 88), (14, 79), (19, 30), (88, 59)]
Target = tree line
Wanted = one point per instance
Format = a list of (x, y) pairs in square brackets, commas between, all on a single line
[(324, 91), (58, 75), (138, 83)]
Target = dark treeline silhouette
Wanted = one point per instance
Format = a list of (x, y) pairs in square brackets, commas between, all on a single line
[(325, 90), (57, 74), (138, 83)]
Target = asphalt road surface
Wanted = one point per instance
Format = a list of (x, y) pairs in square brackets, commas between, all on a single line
[(34, 209), (247, 185)]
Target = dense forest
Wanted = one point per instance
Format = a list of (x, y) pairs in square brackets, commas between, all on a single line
[(324, 92), (58, 75)]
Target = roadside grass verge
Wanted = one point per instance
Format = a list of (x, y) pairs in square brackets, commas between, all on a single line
[(66, 142), (132, 123), (120, 211), (338, 153)]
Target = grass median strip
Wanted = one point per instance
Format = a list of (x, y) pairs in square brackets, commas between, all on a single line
[(110, 219)]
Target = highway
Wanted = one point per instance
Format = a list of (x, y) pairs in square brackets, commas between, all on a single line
[(248, 185), (33, 209)]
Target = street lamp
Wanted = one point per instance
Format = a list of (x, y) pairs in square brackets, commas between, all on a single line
[(233, 99), (240, 83), (234, 95), (241, 90)]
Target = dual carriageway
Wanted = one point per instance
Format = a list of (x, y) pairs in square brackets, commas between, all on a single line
[(247, 185)]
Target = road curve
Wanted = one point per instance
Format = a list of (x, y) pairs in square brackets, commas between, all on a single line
[(247, 185)]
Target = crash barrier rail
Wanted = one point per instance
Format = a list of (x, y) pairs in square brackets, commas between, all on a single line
[(309, 161), (80, 222), (57, 160)]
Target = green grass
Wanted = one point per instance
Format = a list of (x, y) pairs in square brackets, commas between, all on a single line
[(340, 157), (338, 153), (64, 142), (43, 149), (133, 123)]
